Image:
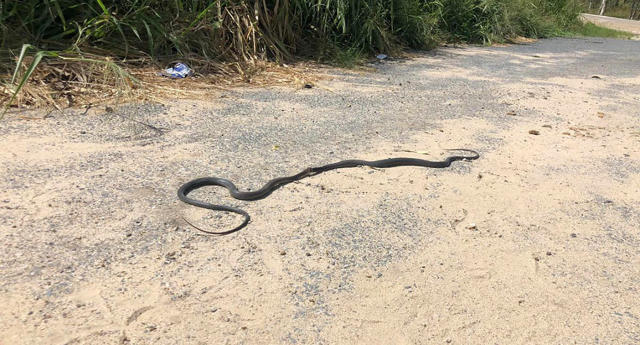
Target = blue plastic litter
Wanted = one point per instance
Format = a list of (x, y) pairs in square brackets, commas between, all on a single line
[(177, 70), (381, 56)]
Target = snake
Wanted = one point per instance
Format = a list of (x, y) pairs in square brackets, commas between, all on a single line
[(278, 182)]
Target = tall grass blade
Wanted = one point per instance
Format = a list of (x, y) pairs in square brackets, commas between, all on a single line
[(36, 61)]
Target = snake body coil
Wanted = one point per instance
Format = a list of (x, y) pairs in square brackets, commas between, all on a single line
[(274, 184)]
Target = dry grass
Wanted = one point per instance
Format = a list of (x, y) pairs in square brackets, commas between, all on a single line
[(63, 84), (68, 53)]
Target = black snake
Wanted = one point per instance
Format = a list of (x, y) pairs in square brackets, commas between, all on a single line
[(276, 183)]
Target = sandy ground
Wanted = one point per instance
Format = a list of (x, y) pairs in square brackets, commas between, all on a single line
[(632, 26), (537, 242)]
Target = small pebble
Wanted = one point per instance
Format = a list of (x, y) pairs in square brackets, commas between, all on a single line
[(534, 132)]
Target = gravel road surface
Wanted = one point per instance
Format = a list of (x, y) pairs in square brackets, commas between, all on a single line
[(537, 242)]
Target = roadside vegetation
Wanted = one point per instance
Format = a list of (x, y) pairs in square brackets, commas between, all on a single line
[(626, 9), (592, 30), (50, 49)]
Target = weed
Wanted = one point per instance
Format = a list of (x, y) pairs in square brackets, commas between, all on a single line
[(209, 32)]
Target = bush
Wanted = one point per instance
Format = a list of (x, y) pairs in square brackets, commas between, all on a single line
[(275, 29), (208, 31), (497, 20)]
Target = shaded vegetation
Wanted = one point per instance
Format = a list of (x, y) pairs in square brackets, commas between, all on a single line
[(206, 32), (277, 29), (626, 9)]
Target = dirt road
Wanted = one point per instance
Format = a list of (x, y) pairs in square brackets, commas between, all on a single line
[(632, 26), (537, 242)]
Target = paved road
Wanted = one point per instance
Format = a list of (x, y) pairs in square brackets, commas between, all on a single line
[(632, 26), (536, 242)]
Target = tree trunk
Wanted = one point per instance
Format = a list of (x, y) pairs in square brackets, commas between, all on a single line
[(602, 7), (635, 10)]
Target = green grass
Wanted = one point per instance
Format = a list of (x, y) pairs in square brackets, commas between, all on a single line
[(618, 11), (205, 32), (592, 30), (347, 58), (234, 30)]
